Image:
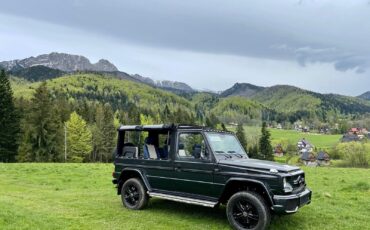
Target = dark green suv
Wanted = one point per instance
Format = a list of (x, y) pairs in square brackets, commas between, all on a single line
[(201, 166)]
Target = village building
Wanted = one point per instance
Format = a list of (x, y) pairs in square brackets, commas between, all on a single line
[(308, 159), (323, 158), (304, 146), (278, 151)]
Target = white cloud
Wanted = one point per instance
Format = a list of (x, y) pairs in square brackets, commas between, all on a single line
[(318, 45)]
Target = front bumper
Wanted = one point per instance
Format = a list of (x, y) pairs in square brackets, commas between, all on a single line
[(290, 203)]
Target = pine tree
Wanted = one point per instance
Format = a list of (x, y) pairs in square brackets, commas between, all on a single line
[(43, 139), (253, 152), (241, 135), (9, 121), (265, 144), (104, 133), (79, 138)]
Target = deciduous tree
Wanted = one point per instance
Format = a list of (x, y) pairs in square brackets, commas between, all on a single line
[(79, 138)]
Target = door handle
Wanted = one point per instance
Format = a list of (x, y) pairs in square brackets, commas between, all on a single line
[(178, 169), (216, 170)]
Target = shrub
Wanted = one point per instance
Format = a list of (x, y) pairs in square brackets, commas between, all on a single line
[(355, 154)]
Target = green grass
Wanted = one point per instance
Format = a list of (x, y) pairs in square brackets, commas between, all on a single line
[(320, 141), (81, 196)]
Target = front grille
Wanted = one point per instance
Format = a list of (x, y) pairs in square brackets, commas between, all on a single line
[(298, 182)]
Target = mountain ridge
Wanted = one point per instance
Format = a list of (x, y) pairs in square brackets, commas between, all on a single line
[(61, 61), (57, 64), (365, 96)]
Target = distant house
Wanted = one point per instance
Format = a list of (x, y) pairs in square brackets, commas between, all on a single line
[(304, 146), (350, 137), (323, 158), (308, 159), (278, 150), (279, 126), (353, 131), (358, 131)]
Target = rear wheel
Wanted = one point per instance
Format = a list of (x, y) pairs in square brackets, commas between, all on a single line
[(247, 210), (133, 194)]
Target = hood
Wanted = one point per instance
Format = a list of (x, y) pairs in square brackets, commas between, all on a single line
[(258, 164)]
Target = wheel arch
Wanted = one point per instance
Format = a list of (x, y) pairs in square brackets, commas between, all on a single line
[(234, 185), (128, 173)]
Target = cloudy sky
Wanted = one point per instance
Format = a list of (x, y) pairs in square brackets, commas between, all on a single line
[(319, 45)]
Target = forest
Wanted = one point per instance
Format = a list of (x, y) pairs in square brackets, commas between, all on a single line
[(74, 117)]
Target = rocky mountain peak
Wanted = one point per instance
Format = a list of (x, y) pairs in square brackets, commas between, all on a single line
[(61, 61)]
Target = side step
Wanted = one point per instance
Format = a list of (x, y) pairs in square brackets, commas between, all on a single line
[(183, 199)]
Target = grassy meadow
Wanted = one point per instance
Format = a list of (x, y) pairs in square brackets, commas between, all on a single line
[(81, 196), (320, 141)]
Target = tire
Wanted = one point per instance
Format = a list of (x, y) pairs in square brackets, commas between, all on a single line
[(133, 194), (248, 210)]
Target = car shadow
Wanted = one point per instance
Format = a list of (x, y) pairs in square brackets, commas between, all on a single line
[(216, 215)]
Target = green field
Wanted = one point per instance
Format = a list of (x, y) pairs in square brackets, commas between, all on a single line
[(320, 141), (81, 196)]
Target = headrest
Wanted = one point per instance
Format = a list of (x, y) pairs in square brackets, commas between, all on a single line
[(148, 140), (181, 146), (197, 146)]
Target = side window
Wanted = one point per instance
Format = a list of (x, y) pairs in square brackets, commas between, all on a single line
[(192, 146)]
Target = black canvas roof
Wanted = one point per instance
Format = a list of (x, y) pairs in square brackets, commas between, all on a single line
[(145, 127), (166, 127)]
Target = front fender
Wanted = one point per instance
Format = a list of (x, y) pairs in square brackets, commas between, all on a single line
[(251, 182)]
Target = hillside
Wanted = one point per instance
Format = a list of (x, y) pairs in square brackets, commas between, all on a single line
[(297, 102), (121, 90), (242, 89), (365, 96), (287, 99), (103, 88), (236, 109), (37, 73)]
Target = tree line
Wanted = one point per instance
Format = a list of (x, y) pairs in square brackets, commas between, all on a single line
[(57, 126)]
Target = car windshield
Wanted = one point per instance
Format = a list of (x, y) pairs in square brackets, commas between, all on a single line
[(225, 143)]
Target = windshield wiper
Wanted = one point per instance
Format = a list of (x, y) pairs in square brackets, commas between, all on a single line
[(227, 156), (235, 153)]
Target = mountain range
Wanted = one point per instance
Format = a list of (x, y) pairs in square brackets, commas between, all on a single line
[(48, 66), (242, 99)]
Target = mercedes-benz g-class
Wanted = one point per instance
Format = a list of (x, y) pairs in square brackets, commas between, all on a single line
[(201, 166)]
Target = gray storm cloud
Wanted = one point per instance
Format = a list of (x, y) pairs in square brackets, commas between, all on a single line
[(333, 32)]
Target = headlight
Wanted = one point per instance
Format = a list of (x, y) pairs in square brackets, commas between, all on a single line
[(287, 186)]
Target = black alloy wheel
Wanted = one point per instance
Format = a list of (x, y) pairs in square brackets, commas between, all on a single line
[(247, 210), (133, 194)]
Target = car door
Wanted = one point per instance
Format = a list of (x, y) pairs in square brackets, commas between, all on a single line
[(193, 168)]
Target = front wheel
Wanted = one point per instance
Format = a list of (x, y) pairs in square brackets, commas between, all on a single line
[(247, 210), (133, 194)]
